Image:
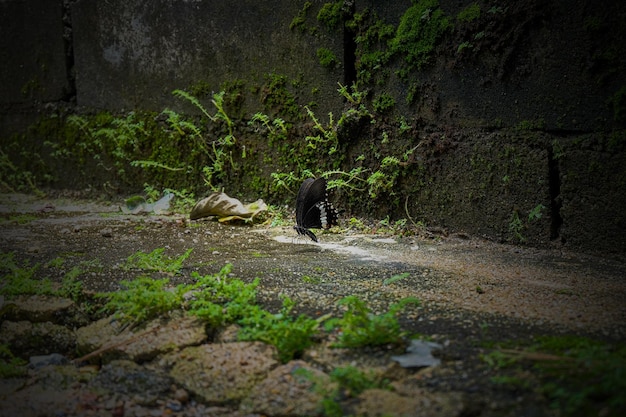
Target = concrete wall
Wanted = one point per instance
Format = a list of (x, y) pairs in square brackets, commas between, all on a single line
[(124, 54), (132, 53), (558, 67), (33, 64)]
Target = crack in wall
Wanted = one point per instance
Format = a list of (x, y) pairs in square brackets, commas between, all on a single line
[(68, 44), (554, 187), (349, 45)]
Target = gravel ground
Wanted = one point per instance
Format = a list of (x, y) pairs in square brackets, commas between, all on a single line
[(471, 290), (574, 291)]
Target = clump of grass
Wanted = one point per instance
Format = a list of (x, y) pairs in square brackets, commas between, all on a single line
[(10, 366), (355, 381), (469, 14), (143, 299), (290, 335), (383, 103), (345, 382), (156, 261), (18, 278), (220, 299), (360, 327), (326, 58), (578, 375)]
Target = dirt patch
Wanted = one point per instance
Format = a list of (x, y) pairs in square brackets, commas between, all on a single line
[(455, 275)]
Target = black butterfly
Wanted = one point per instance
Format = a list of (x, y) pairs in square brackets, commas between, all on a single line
[(313, 210)]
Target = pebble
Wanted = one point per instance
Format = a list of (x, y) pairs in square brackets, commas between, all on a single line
[(175, 406), (108, 232), (37, 362), (181, 395)]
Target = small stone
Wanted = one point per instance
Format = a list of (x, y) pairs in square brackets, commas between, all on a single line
[(181, 396), (108, 232), (40, 361), (118, 411), (174, 406), (110, 403)]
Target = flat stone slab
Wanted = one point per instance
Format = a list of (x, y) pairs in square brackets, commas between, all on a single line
[(420, 403), (43, 308), (288, 390), (222, 373), (101, 339), (28, 339)]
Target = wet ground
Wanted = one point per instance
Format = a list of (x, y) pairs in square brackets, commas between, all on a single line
[(472, 291)]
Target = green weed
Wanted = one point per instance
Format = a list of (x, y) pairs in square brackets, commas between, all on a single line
[(345, 382), (298, 22), (355, 381), (22, 219), (396, 278), (420, 28), (327, 58), (57, 262), (277, 128), (536, 212), (538, 124), (71, 286), (557, 150), (464, 45), (183, 202), (498, 359), (580, 376), (11, 366), (14, 178), (330, 14), (383, 103), (290, 335), (278, 97), (18, 278), (516, 227), (311, 280), (156, 261), (384, 179), (219, 151), (352, 94), (219, 299), (328, 134), (110, 139), (360, 327), (143, 299), (469, 14), (357, 224)]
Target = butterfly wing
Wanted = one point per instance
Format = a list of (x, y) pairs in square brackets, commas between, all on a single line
[(321, 216), (313, 210), (301, 208)]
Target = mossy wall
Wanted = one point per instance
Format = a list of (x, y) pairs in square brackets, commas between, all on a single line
[(500, 120)]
